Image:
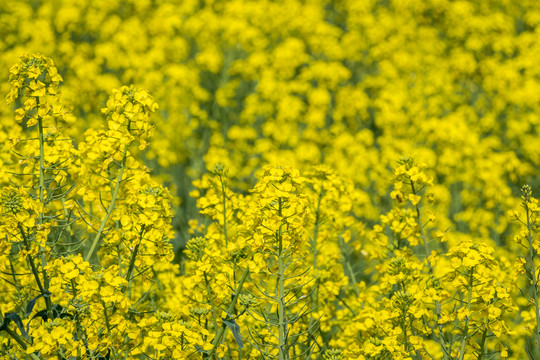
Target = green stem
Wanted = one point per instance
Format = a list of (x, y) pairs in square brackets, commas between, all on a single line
[(66, 216), (217, 340), (430, 268), (534, 279), (461, 352), (422, 232), (316, 229), (110, 209), (282, 325), (413, 333), (20, 341), (348, 266), (404, 331), (131, 267), (107, 324), (315, 294), (41, 165), (14, 274), (42, 201), (16, 337), (224, 211), (43, 289), (482, 344), (211, 300)]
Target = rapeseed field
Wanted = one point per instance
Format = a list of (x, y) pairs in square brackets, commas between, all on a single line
[(241, 179)]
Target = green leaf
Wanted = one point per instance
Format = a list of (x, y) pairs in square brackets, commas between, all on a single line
[(235, 329)]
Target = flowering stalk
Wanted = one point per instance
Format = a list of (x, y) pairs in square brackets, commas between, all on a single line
[(461, 353), (314, 237), (221, 174), (430, 267), (280, 217), (528, 202), (42, 213), (282, 318)]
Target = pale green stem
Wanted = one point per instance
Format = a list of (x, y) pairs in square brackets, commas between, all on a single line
[(211, 300), (534, 280), (131, 265), (482, 344), (315, 294), (348, 266), (66, 215), (461, 352), (129, 273), (224, 211), (42, 214), (14, 274), (41, 166), (217, 340), (34, 270), (316, 229), (430, 268), (107, 324), (110, 209), (282, 325), (404, 331)]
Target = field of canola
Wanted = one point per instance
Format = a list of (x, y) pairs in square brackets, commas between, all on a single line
[(255, 179)]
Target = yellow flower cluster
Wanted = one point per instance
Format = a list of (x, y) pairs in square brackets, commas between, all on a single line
[(86, 232)]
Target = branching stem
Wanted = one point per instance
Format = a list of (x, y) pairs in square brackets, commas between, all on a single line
[(110, 208), (217, 340), (430, 268)]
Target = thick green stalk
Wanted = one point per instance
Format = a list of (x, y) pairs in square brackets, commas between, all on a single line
[(16, 337), (111, 207)]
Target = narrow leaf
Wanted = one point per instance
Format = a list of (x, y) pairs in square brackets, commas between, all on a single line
[(16, 319), (235, 329)]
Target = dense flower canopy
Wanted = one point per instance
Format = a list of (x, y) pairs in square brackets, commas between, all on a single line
[(269, 179)]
